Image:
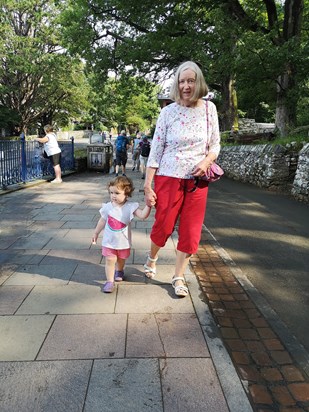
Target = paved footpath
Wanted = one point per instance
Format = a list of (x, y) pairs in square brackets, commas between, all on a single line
[(66, 346)]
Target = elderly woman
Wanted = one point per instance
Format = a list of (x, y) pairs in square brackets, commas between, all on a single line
[(185, 144)]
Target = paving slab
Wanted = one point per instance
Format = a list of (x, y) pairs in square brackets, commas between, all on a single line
[(129, 385), (77, 255), (33, 242), (67, 299), (143, 339), (46, 225), (78, 225), (6, 270), (92, 274), (11, 297), (191, 385), (150, 299), (22, 336), (52, 216), (44, 386), (85, 337), (89, 274), (167, 256), (165, 335), (77, 242), (42, 274), (18, 257)]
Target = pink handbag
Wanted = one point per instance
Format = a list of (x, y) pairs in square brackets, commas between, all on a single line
[(215, 172)]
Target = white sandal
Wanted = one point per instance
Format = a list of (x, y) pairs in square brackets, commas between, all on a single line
[(180, 290), (150, 272)]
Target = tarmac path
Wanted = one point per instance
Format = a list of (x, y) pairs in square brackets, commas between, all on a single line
[(266, 235)]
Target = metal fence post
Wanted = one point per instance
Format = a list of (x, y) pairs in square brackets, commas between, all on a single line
[(72, 153), (23, 157)]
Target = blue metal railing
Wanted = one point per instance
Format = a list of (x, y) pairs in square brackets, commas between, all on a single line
[(22, 161)]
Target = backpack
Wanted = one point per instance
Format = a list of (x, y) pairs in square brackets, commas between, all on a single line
[(145, 149), (121, 144)]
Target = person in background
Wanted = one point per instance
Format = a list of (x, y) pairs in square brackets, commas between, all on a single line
[(144, 150), (122, 145), (52, 150), (136, 152), (116, 217), (185, 144)]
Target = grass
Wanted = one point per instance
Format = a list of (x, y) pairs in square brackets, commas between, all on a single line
[(80, 153), (299, 139)]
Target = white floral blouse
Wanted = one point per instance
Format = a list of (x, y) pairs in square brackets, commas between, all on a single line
[(181, 140)]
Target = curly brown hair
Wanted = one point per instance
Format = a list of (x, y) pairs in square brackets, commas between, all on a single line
[(123, 183)]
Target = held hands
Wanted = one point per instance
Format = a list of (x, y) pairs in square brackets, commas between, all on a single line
[(150, 197)]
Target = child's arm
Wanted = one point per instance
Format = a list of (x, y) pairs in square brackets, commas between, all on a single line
[(142, 213), (100, 226)]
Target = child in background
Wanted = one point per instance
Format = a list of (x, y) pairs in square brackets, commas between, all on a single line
[(115, 220)]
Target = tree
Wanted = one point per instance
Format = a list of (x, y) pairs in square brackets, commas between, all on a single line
[(276, 49), (225, 36), (40, 82), (125, 101), (151, 39)]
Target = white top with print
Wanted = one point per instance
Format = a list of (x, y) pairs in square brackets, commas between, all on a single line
[(181, 140), (117, 230)]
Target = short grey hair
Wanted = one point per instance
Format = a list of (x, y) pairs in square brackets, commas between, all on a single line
[(201, 88)]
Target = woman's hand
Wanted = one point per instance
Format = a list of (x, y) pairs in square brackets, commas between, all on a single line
[(150, 196), (202, 168)]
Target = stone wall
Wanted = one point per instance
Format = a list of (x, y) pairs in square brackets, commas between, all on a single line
[(300, 189), (77, 134), (281, 168), (249, 126)]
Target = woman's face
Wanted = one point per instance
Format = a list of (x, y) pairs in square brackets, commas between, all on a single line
[(186, 84)]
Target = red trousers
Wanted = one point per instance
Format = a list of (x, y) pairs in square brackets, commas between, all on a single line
[(175, 202)]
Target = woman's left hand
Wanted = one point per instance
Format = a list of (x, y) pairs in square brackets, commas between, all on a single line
[(202, 167)]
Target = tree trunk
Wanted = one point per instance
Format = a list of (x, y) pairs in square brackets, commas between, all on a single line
[(228, 118), (286, 102)]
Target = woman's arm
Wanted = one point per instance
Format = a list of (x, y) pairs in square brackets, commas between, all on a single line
[(203, 166), (42, 139), (150, 196), (100, 226)]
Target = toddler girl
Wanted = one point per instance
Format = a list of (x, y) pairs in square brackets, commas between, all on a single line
[(116, 217)]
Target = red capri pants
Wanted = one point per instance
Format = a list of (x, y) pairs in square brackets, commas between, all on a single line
[(175, 201)]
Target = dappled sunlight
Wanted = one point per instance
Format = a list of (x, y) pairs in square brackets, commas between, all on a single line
[(291, 241)]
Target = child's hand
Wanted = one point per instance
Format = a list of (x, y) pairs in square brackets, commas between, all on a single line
[(94, 239)]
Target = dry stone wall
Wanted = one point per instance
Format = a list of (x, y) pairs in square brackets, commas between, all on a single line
[(300, 189), (281, 168)]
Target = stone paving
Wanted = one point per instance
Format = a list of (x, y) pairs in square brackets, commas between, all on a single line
[(66, 346)]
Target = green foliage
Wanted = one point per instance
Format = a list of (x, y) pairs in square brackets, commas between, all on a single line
[(39, 81), (231, 39), (127, 101)]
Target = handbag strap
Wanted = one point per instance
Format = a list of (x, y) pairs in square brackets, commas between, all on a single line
[(207, 123)]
